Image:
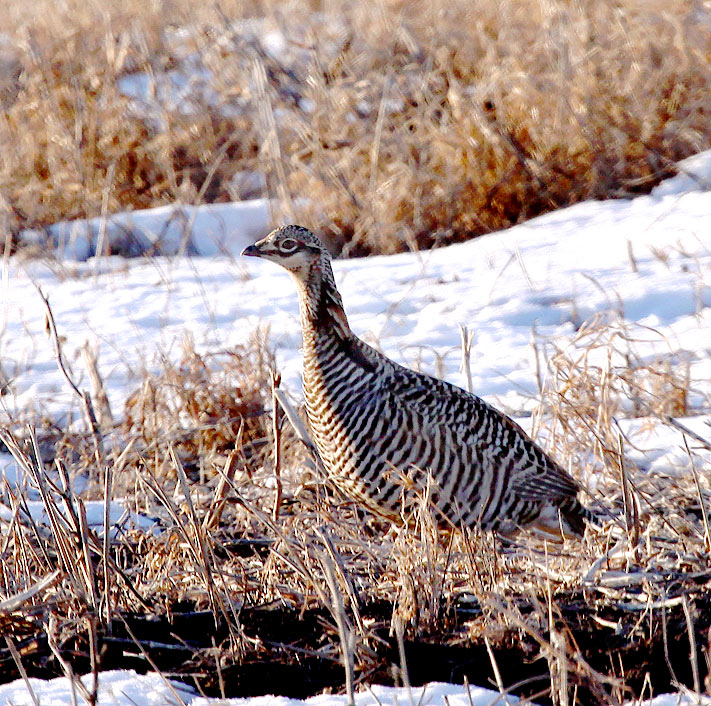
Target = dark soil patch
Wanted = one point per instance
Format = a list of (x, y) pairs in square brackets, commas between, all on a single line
[(296, 653)]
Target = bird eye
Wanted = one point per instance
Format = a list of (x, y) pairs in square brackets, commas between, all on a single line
[(288, 245)]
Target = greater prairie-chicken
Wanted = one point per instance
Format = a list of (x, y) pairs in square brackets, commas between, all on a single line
[(381, 428)]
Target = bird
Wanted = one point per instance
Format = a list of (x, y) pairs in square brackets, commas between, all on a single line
[(385, 432)]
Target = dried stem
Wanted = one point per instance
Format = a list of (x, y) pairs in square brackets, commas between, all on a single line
[(345, 631), (276, 433), (467, 338), (83, 396)]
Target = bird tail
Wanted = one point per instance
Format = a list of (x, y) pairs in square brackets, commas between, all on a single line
[(575, 515)]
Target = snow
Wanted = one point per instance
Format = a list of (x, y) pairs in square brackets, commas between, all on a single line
[(643, 264), (126, 688), (116, 688), (196, 80), (120, 519), (224, 229), (645, 260), (694, 175)]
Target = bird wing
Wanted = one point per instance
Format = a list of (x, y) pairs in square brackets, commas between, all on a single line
[(440, 405), (545, 482)]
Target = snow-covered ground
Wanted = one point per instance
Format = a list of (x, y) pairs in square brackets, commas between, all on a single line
[(126, 688), (209, 230), (646, 261)]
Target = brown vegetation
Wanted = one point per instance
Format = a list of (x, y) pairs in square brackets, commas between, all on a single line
[(403, 124)]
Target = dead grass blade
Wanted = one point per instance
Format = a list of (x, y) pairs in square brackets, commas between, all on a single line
[(82, 395)]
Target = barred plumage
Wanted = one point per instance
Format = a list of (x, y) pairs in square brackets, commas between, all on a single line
[(380, 427)]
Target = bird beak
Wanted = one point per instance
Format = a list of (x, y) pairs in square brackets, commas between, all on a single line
[(252, 251)]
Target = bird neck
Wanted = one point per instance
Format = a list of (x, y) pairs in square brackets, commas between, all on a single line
[(326, 332), (321, 308)]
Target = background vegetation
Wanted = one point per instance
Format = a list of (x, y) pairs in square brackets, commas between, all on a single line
[(402, 124)]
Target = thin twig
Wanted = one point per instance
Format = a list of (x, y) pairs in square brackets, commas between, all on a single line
[(21, 668), (13, 603), (683, 428), (693, 655), (350, 588), (497, 673), (465, 366), (88, 564), (630, 504), (276, 431), (704, 513), (345, 631), (300, 429), (152, 664), (219, 500), (94, 659), (206, 565), (103, 412), (108, 492), (103, 245), (81, 394), (400, 638), (75, 683), (665, 643)]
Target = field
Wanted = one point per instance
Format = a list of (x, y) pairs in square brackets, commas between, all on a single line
[(170, 385)]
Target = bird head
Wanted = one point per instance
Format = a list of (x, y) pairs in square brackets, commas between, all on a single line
[(293, 247)]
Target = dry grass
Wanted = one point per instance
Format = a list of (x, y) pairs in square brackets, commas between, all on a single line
[(205, 406), (598, 378), (197, 453), (405, 124)]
